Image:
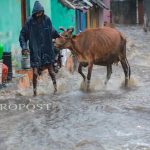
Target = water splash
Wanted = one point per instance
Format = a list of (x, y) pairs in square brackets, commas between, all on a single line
[(95, 85), (132, 83), (45, 86)]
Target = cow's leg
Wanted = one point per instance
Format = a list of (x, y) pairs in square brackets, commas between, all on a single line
[(126, 68), (52, 75), (80, 71), (109, 72), (90, 67), (75, 63), (35, 75)]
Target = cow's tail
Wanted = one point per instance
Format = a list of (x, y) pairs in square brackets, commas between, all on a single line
[(123, 45), (129, 71)]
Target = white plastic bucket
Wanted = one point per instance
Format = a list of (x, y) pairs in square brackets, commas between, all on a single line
[(25, 62)]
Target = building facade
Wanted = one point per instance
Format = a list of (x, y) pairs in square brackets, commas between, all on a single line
[(89, 13), (128, 11)]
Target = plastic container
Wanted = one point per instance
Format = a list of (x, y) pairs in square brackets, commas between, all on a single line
[(25, 62), (1, 51), (8, 62), (1, 65)]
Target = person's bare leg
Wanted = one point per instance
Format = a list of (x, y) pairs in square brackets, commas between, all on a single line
[(35, 75), (52, 74)]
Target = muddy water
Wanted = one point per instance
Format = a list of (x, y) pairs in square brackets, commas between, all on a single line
[(107, 118)]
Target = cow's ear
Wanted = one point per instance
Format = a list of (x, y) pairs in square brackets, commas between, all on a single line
[(61, 28)]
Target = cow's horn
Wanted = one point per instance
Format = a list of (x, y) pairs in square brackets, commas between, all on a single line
[(71, 28), (61, 28)]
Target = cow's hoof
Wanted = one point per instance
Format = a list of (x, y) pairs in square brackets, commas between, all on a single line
[(84, 79), (88, 89), (88, 86), (34, 92), (126, 83), (34, 95), (55, 90)]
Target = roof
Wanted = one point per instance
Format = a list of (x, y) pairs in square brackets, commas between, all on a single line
[(83, 4)]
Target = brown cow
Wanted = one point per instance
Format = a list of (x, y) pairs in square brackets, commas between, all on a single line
[(100, 46)]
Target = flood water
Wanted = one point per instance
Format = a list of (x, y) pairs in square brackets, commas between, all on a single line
[(107, 118)]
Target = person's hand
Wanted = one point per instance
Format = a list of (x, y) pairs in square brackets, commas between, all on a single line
[(25, 52), (53, 40)]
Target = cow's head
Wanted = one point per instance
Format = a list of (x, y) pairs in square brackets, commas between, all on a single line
[(64, 41)]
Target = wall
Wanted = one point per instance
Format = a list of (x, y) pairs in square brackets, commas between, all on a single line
[(147, 7), (62, 16), (124, 12), (101, 17), (10, 22), (81, 22), (107, 12), (140, 12), (95, 17), (146, 15)]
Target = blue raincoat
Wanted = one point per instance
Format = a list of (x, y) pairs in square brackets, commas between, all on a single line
[(39, 35)]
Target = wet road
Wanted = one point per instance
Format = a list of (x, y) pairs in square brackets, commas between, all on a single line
[(108, 118)]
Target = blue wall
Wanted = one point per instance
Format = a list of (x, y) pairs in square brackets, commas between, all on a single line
[(81, 21)]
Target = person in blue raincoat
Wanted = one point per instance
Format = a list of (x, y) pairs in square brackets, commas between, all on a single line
[(39, 32)]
